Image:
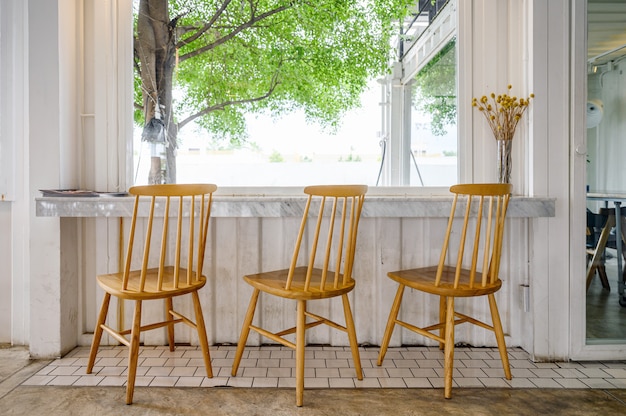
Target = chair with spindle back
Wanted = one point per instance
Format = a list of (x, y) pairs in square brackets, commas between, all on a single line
[(328, 275), (177, 227), (484, 217), (601, 235)]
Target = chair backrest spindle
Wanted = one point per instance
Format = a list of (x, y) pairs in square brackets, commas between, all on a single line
[(166, 218), (131, 244), (146, 249), (446, 241), (488, 218), (191, 207), (339, 220), (486, 260), (340, 243), (205, 216)]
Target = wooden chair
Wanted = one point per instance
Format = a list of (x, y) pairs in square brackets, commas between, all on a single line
[(174, 269), (477, 238), (604, 221), (326, 275), (595, 225)]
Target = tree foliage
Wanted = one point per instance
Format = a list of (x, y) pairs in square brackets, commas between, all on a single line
[(229, 58), (435, 89)]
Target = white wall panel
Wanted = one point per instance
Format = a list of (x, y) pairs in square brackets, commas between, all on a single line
[(248, 245)]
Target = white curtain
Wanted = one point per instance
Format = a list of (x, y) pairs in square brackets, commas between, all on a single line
[(606, 143)]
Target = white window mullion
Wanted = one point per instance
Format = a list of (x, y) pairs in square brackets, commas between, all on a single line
[(397, 167), (107, 103)]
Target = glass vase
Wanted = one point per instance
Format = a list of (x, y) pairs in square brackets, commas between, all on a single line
[(504, 160)]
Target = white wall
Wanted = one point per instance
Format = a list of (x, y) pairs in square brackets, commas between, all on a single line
[(549, 158), (46, 153), (14, 324), (525, 43)]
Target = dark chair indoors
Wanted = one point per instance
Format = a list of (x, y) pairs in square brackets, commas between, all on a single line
[(600, 236)]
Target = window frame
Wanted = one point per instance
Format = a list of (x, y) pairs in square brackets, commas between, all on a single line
[(396, 167), (416, 55)]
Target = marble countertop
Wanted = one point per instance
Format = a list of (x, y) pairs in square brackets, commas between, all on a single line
[(400, 206)]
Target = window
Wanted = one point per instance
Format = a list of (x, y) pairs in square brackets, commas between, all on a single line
[(283, 152), (433, 134), (290, 152)]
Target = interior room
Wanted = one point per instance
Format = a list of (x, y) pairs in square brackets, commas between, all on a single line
[(69, 207), (605, 107)]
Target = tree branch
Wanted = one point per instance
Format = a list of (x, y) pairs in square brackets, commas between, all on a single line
[(220, 106), (246, 25), (205, 27)]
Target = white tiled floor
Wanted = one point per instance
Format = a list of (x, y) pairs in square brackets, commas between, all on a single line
[(326, 367)]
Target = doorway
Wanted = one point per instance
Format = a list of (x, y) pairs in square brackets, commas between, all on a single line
[(605, 300)]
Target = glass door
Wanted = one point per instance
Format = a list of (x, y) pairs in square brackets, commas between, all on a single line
[(606, 172)]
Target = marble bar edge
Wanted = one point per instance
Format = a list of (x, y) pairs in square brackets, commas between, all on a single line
[(287, 206)]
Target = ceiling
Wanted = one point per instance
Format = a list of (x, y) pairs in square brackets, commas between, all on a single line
[(606, 30)]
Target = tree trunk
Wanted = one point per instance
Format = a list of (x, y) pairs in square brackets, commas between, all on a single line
[(156, 51)]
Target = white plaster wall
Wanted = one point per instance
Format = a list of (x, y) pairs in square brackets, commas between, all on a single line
[(52, 159), (550, 150), (543, 169), (5, 275), (44, 172), (14, 213), (5, 211)]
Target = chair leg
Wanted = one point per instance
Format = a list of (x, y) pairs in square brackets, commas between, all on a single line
[(300, 339), (442, 318), (97, 333), (202, 337), (599, 250), (169, 306), (603, 277), (623, 231), (449, 348), (497, 328), (133, 353), (354, 345), (391, 323), (245, 330)]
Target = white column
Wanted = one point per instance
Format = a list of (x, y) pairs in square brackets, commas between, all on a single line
[(46, 294), (549, 158), (397, 166), (14, 216)]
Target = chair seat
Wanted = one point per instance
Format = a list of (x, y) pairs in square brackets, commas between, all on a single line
[(274, 282), (424, 279), (112, 283)]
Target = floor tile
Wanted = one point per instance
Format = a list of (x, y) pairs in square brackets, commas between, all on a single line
[(327, 367)]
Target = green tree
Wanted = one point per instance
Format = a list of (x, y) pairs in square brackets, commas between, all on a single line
[(435, 89), (276, 157), (229, 58)]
